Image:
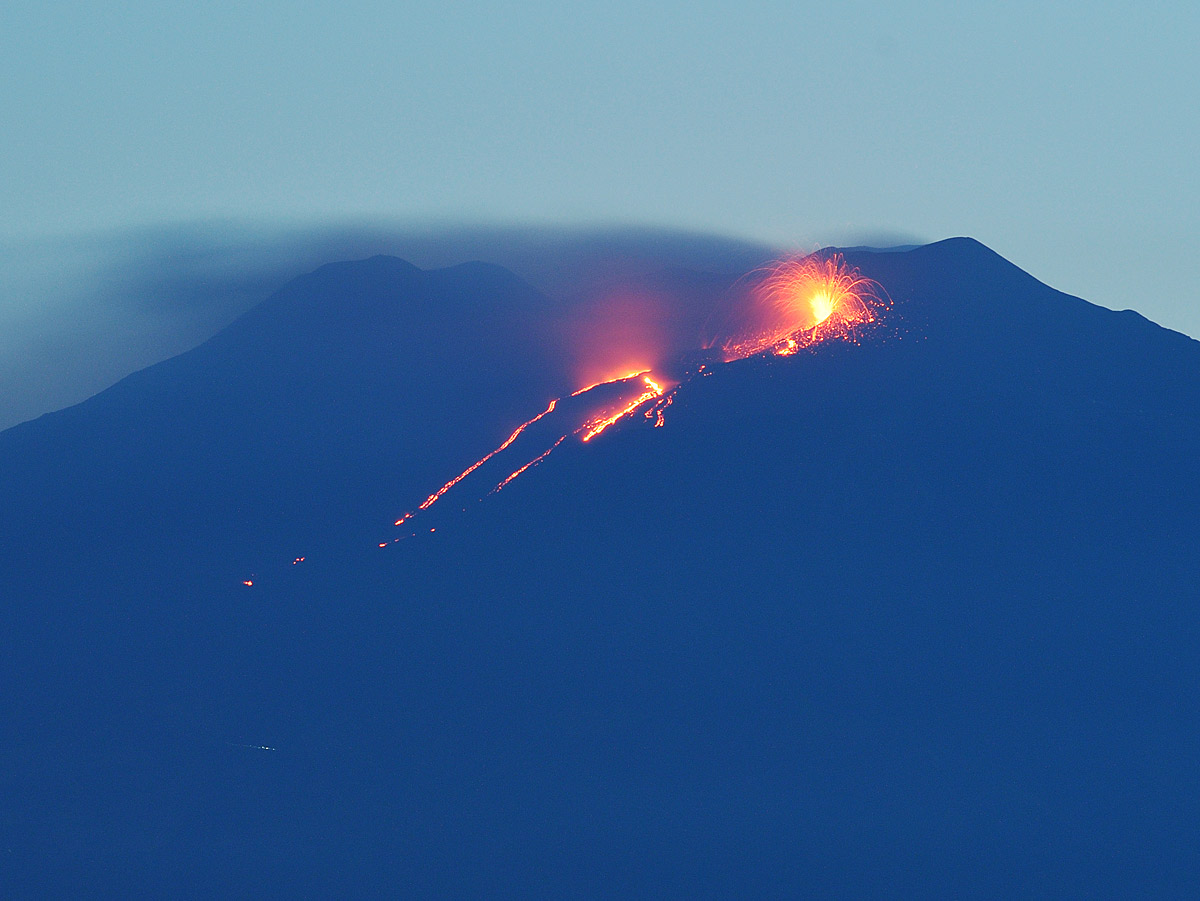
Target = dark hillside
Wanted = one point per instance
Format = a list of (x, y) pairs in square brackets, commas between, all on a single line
[(915, 617)]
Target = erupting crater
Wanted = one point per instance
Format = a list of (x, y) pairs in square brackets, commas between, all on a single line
[(790, 305), (796, 303)]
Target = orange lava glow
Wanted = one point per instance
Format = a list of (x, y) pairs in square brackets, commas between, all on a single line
[(249, 583), (791, 305), (652, 390), (656, 412), (800, 302), (621, 330), (437, 495), (534, 462), (433, 498), (631, 374), (594, 427)]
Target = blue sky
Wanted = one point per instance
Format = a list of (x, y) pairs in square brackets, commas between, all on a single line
[(1063, 136)]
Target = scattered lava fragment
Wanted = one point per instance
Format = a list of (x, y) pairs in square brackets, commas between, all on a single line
[(799, 303)]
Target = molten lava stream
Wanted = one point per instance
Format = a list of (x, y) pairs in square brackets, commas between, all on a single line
[(593, 428), (793, 304), (567, 415), (534, 462), (437, 495)]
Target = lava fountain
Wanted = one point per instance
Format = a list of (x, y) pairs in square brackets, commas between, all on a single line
[(790, 305), (796, 303)]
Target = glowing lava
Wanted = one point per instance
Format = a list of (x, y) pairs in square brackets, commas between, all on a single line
[(800, 302), (591, 429), (632, 374), (437, 495), (822, 306), (591, 410), (534, 462), (793, 304)]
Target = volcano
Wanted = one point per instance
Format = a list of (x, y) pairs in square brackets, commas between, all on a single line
[(911, 615)]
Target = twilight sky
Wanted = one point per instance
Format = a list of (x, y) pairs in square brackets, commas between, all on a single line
[(1064, 136)]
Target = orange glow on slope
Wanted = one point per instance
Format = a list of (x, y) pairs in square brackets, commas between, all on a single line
[(794, 304), (656, 411), (249, 583), (632, 374), (621, 329), (534, 462), (800, 302), (594, 427), (433, 498), (651, 390)]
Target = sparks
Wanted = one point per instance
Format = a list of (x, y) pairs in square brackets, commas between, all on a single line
[(796, 304), (801, 302)]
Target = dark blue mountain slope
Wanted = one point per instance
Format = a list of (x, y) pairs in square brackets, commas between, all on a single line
[(336, 399), (916, 617)]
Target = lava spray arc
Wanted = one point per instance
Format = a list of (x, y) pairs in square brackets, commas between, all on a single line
[(782, 308), (797, 303)]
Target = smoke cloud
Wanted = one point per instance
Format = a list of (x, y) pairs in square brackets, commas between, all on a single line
[(78, 314)]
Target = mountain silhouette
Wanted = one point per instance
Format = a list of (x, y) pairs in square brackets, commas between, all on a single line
[(329, 401), (911, 616)]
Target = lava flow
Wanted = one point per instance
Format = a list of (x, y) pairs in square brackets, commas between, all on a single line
[(585, 414), (591, 429), (437, 495), (793, 304)]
